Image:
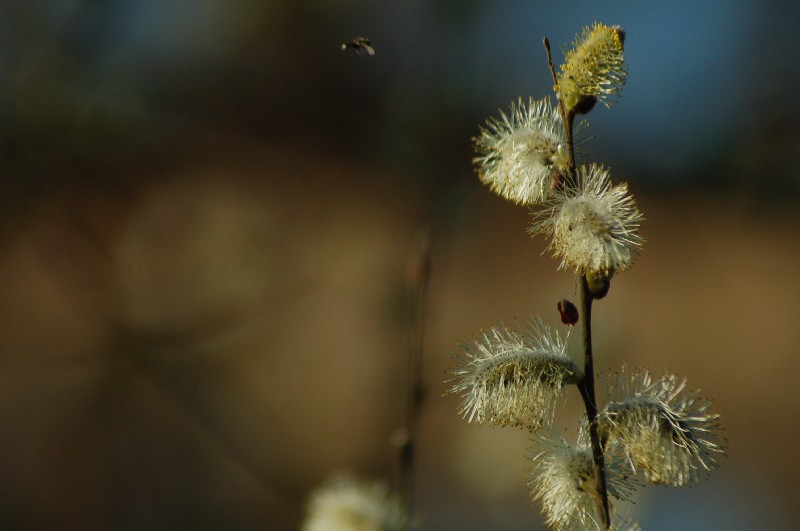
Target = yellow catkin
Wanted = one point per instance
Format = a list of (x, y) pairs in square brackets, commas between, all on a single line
[(594, 70)]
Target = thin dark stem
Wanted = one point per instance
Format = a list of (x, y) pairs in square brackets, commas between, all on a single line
[(420, 271), (550, 62), (586, 386), (569, 120), (567, 117)]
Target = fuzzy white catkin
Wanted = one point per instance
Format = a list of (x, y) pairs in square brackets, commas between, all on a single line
[(519, 151), (661, 429), (347, 504), (593, 226), (512, 378), (562, 479)]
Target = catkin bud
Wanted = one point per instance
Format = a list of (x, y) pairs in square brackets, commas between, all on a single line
[(521, 152), (594, 70), (513, 378), (661, 428), (563, 479), (344, 502), (594, 226)]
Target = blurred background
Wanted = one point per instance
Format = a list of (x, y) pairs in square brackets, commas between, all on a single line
[(209, 211)]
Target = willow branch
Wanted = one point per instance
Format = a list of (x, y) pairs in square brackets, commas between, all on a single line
[(586, 384)]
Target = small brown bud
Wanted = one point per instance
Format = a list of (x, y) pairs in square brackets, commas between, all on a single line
[(584, 105), (620, 32), (598, 284), (568, 311)]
